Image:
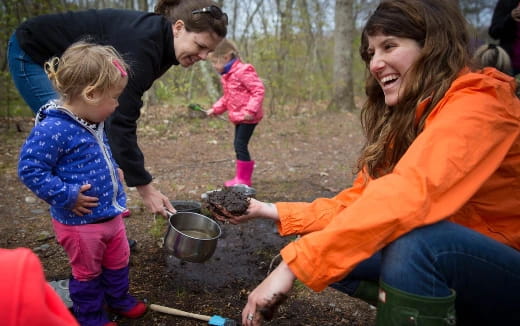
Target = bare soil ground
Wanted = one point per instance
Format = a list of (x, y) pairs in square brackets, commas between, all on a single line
[(301, 153)]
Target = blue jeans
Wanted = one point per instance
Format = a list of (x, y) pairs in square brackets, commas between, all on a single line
[(431, 260), (29, 77)]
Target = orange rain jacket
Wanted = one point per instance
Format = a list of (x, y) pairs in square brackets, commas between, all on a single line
[(464, 166)]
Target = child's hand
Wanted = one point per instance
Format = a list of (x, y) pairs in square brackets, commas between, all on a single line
[(84, 203), (248, 116), (210, 112)]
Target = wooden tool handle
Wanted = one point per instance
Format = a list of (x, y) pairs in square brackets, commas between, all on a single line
[(177, 312)]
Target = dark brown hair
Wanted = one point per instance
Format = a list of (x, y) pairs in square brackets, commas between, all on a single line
[(440, 29), (175, 10)]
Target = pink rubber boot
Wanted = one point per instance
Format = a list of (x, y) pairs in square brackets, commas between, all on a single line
[(244, 171)]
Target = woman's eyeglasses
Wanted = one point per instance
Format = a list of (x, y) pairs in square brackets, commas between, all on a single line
[(214, 11)]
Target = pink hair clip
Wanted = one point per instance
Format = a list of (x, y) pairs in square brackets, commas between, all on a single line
[(118, 66)]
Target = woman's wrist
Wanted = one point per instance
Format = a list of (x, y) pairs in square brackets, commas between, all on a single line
[(270, 212), (144, 190)]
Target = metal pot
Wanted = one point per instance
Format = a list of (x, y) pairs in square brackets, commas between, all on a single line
[(191, 236), (186, 206)]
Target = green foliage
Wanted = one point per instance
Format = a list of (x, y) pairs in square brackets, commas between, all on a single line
[(296, 67), (159, 227), (162, 91), (11, 104)]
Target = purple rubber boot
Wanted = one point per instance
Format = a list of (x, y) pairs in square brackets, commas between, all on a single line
[(116, 284), (87, 302)]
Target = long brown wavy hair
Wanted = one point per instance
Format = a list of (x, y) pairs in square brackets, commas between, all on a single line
[(175, 10), (440, 29)]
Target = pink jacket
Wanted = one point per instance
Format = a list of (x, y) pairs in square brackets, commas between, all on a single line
[(243, 93)]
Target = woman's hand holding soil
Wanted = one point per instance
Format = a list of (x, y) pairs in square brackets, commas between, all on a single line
[(255, 209), (259, 209)]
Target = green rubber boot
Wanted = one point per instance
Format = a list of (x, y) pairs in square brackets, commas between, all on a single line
[(367, 291), (396, 308)]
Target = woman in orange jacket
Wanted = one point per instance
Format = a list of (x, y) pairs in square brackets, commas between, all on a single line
[(430, 230)]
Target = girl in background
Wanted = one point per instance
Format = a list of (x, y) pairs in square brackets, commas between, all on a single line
[(66, 161), (242, 99)]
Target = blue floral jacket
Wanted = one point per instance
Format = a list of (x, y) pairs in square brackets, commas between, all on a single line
[(61, 154)]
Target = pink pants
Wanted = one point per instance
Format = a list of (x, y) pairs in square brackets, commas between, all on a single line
[(90, 247)]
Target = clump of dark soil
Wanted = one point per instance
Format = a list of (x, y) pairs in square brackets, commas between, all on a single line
[(269, 310), (227, 201)]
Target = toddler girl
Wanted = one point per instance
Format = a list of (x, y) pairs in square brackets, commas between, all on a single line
[(67, 162)]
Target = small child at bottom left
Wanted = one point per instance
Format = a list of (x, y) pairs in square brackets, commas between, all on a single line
[(67, 162)]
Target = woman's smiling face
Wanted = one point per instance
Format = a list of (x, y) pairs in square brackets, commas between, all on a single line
[(390, 59), (191, 47)]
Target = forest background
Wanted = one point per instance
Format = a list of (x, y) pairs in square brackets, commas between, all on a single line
[(306, 51)]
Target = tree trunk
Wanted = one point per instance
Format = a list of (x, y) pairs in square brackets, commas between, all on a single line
[(343, 93), (207, 72)]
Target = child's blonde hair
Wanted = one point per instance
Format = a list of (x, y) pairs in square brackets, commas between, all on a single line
[(492, 55), (224, 48), (86, 67)]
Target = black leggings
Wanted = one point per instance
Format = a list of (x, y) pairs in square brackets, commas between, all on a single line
[(243, 133)]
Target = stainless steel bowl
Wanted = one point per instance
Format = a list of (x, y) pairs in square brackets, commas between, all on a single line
[(191, 236), (245, 189)]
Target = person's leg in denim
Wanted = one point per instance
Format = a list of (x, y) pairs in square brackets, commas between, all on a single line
[(29, 77), (363, 281), (432, 260)]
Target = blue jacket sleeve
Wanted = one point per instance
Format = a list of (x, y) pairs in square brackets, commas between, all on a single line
[(36, 168)]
